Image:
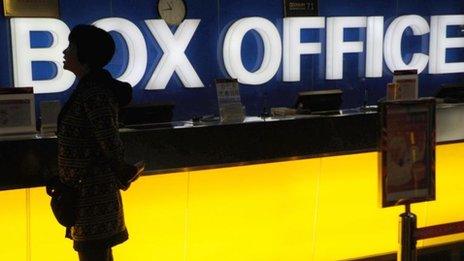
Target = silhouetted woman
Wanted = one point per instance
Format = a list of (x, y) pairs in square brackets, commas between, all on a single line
[(89, 148)]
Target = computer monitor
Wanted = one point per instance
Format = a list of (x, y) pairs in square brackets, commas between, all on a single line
[(319, 101), (451, 93), (145, 114)]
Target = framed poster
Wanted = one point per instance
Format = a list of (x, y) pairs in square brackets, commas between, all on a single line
[(17, 111), (407, 151)]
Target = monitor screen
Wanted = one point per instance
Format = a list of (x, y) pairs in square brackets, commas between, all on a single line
[(146, 114), (451, 93), (319, 101)]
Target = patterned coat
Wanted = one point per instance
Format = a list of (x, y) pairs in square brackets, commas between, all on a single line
[(88, 147)]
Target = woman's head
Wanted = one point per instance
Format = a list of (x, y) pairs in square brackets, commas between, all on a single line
[(89, 47)]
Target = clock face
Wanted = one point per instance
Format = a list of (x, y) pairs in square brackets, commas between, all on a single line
[(172, 11)]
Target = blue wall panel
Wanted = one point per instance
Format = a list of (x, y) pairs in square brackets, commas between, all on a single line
[(205, 51)]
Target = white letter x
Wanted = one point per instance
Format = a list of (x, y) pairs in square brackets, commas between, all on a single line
[(174, 58)]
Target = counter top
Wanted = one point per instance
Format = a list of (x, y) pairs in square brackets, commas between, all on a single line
[(28, 159)]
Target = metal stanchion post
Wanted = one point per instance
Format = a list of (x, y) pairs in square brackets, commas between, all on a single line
[(408, 225)]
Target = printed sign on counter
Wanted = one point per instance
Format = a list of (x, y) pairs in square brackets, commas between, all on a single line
[(17, 111), (405, 86), (230, 106)]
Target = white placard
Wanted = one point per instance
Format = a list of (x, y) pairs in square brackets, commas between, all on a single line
[(49, 111), (17, 111), (229, 102)]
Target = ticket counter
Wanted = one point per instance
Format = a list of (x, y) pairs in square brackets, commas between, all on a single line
[(289, 189)]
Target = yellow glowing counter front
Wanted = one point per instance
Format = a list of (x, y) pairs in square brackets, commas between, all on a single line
[(318, 207)]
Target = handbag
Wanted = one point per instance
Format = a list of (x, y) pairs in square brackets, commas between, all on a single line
[(63, 202), (64, 197)]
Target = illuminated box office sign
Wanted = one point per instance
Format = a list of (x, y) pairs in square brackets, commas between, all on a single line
[(285, 49)]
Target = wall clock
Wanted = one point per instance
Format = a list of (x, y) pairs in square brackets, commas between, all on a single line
[(172, 11)]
